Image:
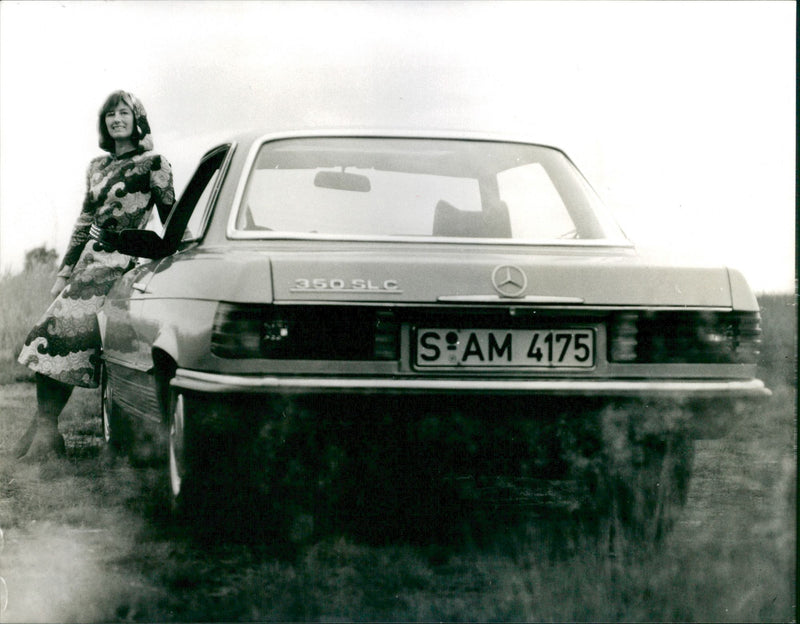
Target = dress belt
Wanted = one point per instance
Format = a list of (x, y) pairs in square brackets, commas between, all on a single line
[(107, 239)]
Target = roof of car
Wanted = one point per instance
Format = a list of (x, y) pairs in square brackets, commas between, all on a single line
[(248, 136)]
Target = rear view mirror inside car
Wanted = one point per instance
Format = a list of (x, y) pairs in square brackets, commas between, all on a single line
[(342, 181)]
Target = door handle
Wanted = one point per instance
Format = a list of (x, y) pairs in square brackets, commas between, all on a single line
[(139, 287)]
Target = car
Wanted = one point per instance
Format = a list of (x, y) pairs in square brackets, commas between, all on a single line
[(475, 285)]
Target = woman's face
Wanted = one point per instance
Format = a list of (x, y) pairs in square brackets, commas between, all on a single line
[(119, 122)]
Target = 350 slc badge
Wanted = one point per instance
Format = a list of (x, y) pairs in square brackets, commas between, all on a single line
[(355, 285)]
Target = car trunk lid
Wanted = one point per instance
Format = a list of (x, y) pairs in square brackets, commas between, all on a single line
[(542, 278)]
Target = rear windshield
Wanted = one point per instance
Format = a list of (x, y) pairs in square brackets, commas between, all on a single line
[(431, 188)]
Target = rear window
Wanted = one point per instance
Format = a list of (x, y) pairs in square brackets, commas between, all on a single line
[(436, 189)]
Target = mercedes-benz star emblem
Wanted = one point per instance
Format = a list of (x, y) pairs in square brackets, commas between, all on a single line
[(509, 280)]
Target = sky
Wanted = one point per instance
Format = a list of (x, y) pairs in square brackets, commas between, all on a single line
[(680, 114)]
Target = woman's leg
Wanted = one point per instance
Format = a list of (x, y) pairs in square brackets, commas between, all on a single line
[(43, 438)]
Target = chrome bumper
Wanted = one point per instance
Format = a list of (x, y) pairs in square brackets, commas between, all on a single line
[(217, 383)]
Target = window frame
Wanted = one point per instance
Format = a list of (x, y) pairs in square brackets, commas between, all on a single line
[(235, 233), (214, 161)]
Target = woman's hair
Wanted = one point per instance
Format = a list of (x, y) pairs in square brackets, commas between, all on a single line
[(141, 129)]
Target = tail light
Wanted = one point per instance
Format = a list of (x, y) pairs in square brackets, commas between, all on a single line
[(387, 346), (623, 330), (747, 337), (237, 331), (685, 337), (304, 332)]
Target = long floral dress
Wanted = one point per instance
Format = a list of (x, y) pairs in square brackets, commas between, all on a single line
[(120, 193)]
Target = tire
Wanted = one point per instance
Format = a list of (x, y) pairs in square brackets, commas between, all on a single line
[(115, 433), (208, 473), (180, 453), (197, 466)]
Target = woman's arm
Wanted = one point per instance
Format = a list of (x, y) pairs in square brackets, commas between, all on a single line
[(161, 187), (80, 233)]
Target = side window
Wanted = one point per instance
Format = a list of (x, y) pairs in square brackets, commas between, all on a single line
[(195, 226), (154, 223), (188, 219), (536, 209)]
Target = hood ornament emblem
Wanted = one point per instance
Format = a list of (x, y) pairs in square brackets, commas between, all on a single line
[(509, 280)]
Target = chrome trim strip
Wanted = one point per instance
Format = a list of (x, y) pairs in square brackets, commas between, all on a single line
[(134, 392), (509, 300), (125, 363), (510, 303), (244, 178), (219, 383), (451, 240), (208, 209)]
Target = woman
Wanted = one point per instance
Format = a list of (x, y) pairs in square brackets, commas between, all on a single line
[(121, 190)]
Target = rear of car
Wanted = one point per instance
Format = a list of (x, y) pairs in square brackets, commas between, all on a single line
[(437, 273)]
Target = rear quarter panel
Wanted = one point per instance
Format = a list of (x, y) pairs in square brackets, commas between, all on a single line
[(742, 297), (213, 273), (181, 328), (176, 313)]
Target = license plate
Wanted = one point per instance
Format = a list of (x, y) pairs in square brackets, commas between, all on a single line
[(510, 348)]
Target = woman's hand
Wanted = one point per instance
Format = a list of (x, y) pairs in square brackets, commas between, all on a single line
[(58, 286)]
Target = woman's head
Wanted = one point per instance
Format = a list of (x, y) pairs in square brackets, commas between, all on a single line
[(114, 107)]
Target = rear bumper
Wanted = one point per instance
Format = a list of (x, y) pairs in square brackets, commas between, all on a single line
[(215, 383)]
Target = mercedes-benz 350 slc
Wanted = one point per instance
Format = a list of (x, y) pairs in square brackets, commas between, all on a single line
[(447, 277)]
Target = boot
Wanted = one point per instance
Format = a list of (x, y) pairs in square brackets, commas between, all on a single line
[(47, 441), (25, 441)]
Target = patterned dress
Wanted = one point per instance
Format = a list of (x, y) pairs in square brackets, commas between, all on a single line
[(121, 192)]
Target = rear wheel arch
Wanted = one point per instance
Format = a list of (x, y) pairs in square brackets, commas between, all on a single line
[(164, 367)]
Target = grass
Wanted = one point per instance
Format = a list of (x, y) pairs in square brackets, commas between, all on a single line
[(89, 540), (111, 556), (23, 299), (778, 360)]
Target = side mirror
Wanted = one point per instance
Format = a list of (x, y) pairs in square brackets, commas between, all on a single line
[(143, 244)]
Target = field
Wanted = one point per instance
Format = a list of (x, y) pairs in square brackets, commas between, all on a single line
[(89, 539)]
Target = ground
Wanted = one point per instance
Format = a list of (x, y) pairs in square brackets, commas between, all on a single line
[(88, 539)]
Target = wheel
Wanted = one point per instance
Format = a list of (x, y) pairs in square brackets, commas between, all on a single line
[(206, 478), (179, 472), (114, 432), (192, 456)]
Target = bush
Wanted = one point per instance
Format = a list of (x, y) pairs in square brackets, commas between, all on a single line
[(778, 361), (23, 298), (40, 257)]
